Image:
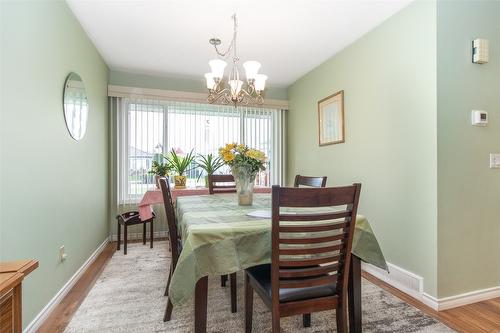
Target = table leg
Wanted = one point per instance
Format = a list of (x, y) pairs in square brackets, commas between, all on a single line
[(200, 305), (354, 292)]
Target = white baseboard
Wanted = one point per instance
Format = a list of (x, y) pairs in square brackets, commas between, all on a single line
[(46, 311), (464, 299), (430, 301), (399, 278), (138, 235), (413, 285)]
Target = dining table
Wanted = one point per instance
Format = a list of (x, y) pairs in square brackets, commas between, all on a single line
[(219, 238), (153, 196)]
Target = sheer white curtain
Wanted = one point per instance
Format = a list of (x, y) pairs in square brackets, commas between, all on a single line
[(149, 128)]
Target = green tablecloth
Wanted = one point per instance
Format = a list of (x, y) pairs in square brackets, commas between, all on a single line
[(219, 238)]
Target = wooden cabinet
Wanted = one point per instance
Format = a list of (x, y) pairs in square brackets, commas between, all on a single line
[(11, 277)]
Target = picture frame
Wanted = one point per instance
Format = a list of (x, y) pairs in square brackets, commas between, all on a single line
[(331, 128)]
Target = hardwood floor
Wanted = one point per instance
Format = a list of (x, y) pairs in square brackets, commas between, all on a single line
[(479, 317)]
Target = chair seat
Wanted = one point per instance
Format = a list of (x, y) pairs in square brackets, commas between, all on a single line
[(262, 275), (131, 218)]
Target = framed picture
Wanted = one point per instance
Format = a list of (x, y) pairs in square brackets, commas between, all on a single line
[(331, 119)]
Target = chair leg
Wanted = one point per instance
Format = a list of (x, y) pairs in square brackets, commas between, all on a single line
[(151, 231), (118, 235), (143, 233), (234, 297), (248, 305), (306, 320), (168, 311), (223, 279), (125, 239), (341, 314), (168, 282), (276, 322)]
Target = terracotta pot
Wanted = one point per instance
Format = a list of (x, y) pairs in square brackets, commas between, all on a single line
[(180, 182)]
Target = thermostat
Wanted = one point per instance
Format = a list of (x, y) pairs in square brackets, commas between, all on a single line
[(479, 118), (480, 51)]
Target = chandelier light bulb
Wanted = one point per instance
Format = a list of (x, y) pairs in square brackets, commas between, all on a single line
[(210, 81), (251, 69), (235, 87), (260, 82), (217, 66)]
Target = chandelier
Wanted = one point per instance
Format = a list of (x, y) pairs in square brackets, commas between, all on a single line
[(235, 91)]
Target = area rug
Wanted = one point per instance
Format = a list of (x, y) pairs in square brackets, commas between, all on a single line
[(128, 297)]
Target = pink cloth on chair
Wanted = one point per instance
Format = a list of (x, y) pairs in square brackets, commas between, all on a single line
[(154, 196)]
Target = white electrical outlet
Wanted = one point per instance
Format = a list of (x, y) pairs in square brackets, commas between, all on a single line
[(479, 118), (62, 254), (494, 161)]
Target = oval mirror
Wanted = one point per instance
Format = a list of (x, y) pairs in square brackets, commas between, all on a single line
[(76, 106)]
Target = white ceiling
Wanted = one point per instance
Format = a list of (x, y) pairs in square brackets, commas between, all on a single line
[(170, 37)]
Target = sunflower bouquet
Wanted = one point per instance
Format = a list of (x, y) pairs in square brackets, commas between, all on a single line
[(245, 163), (240, 155)]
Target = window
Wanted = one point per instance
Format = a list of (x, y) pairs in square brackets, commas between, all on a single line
[(147, 128)]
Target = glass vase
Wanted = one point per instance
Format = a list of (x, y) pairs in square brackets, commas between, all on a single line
[(244, 179)]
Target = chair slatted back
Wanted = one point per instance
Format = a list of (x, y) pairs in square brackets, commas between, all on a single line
[(173, 235), (312, 246), (309, 181), (228, 184)]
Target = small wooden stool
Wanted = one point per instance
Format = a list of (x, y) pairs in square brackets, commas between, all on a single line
[(132, 218)]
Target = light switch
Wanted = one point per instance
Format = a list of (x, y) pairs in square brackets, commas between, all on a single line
[(494, 161)]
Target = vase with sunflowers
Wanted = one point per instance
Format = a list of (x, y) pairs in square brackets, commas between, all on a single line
[(245, 163)]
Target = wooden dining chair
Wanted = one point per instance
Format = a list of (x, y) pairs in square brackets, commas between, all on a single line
[(215, 186), (311, 253), (309, 181), (176, 247), (132, 218)]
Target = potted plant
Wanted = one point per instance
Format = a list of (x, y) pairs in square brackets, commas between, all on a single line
[(180, 165), (210, 164), (159, 169), (245, 163)]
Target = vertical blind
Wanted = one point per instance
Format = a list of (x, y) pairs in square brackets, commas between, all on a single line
[(147, 127)]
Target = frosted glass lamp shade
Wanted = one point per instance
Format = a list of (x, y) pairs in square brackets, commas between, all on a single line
[(260, 82), (217, 66), (210, 81), (235, 86), (251, 69)]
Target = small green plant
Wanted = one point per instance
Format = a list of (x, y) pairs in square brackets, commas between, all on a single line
[(160, 169), (180, 164), (209, 163)]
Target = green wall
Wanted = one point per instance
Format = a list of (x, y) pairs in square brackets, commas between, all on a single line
[(54, 190), (181, 84), (121, 78), (389, 80), (468, 191)]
